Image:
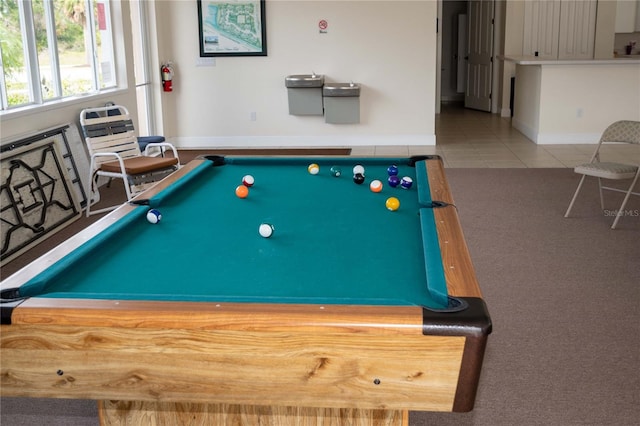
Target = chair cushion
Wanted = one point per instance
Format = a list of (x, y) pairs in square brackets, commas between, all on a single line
[(140, 165), (607, 170)]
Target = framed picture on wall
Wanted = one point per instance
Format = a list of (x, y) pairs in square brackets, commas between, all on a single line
[(232, 28)]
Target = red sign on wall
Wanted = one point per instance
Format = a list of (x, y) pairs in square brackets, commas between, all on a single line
[(322, 24), (102, 18)]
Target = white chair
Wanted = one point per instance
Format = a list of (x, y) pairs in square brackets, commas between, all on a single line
[(115, 153), (624, 131)]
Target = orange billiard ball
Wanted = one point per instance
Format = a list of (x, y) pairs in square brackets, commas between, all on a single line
[(242, 191), (375, 185)]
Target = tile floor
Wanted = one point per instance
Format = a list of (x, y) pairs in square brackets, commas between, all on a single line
[(474, 139)]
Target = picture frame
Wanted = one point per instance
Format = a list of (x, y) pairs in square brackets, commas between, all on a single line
[(232, 28)]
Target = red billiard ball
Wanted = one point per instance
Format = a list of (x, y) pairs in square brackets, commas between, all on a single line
[(248, 181)]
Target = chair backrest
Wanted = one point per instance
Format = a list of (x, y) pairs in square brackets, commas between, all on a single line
[(626, 131), (109, 129)]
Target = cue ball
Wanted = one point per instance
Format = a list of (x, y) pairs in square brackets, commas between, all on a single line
[(248, 181), (393, 181), (375, 185), (358, 169), (392, 204), (314, 169), (154, 216), (358, 178), (406, 182), (265, 230), (392, 170), (242, 191)]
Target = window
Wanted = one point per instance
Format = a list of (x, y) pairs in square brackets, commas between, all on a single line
[(54, 49)]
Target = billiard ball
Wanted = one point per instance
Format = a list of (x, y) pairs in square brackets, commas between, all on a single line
[(375, 185), (358, 169), (393, 181), (406, 182), (248, 181), (392, 170), (358, 178), (335, 171), (392, 203), (242, 191), (314, 169), (154, 216), (266, 230)]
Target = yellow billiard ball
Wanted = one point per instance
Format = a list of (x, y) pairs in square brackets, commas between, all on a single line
[(313, 169), (392, 203)]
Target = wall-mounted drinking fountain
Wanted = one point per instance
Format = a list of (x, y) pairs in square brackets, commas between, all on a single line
[(341, 103), (305, 94)]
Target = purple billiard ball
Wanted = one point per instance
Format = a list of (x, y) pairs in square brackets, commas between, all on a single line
[(392, 170), (406, 182), (394, 181)]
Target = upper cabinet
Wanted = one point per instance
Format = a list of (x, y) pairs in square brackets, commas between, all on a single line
[(577, 29), (627, 16), (541, 28), (560, 29)]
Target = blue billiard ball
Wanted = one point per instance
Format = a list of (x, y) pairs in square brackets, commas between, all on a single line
[(392, 170), (394, 181), (154, 216), (406, 182)]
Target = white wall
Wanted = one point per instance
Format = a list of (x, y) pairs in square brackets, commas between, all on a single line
[(583, 100), (388, 47), (567, 104)]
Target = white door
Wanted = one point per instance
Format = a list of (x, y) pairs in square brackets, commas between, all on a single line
[(479, 59)]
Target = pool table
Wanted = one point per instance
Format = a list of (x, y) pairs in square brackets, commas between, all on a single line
[(350, 313)]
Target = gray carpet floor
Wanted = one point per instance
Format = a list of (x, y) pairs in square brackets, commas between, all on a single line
[(563, 295)]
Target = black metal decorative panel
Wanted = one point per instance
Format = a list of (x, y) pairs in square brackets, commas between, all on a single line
[(37, 196)]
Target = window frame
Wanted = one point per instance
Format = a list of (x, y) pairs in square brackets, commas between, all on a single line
[(38, 103)]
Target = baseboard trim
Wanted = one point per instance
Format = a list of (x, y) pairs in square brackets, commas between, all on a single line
[(203, 142)]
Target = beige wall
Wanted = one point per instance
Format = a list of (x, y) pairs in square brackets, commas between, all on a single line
[(388, 47)]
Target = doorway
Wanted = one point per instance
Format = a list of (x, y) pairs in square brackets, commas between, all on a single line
[(466, 48)]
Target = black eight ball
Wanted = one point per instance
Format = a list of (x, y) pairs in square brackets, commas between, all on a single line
[(358, 178)]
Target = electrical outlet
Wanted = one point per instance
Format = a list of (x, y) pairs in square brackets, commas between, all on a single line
[(579, 113), (252, 116)]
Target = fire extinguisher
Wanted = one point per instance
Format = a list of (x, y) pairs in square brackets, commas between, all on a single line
[(167, 77)]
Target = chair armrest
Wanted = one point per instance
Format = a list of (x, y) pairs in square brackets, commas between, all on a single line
[(162, 144)]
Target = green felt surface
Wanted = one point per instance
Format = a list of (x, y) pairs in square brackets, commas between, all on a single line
[(334, 241)]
